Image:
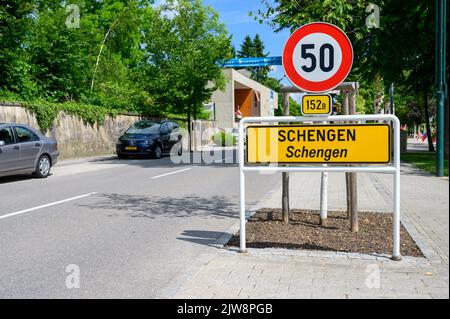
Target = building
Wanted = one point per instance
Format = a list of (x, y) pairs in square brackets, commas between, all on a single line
[(244, 94)]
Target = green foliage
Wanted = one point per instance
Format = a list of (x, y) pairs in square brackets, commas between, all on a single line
[(247, 48), (252, 48), (224, 139), (126, 56), (294, 108), (14, 67), (46, 112), (182, 41), (400, 51)]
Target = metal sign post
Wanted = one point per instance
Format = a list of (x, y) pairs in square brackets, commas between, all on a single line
[(393, 168)]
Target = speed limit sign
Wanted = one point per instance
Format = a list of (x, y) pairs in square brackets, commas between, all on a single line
[(317, 57)]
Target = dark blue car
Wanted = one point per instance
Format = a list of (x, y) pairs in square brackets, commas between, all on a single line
[(150, 138)]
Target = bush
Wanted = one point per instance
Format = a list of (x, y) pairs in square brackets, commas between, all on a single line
[(224, 139), (46, 112)]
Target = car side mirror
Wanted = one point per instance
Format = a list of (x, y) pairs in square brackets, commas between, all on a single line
[(2, 143)]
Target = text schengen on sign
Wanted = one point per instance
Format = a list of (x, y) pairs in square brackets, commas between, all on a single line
[(319, 144)]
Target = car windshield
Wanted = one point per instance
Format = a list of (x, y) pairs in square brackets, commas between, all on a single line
[(144, 128)]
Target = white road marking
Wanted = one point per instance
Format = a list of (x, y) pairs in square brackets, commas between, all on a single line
[(45, 206), (222, 160), (171, 173)]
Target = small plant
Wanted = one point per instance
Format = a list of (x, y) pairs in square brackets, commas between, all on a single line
[(224, 139)]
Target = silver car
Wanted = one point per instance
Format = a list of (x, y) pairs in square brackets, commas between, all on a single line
[(25, 150)]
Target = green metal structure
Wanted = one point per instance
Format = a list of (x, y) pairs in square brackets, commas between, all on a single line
[(440, 82)]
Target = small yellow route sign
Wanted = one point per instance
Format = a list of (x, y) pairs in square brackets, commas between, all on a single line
[(319, 144), (316, 104)]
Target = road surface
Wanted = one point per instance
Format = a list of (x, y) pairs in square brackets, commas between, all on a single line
[(131, 228)]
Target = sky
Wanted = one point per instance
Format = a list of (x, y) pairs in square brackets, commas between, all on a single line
[(234, 13)]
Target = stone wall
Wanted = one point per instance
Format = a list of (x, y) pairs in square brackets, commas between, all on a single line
[(75, 138), (78, 139)]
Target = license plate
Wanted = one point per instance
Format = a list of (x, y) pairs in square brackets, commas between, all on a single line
[(131, 148)]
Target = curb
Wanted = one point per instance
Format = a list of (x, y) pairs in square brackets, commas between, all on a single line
[(418, 235), (92, 159), (230, 232), (202, 260)]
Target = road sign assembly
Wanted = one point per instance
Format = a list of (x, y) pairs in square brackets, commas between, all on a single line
[(317, 57)]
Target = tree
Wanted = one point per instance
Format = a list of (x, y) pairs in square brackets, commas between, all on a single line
[(401, 51), (58, 55), (247, 48), (259, 48), (15, 21), (254, 48), (182, 42)]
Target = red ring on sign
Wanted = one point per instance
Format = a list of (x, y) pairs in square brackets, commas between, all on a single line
[(344, 69)]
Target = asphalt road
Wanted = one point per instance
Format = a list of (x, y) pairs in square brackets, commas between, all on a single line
[(132, 228)]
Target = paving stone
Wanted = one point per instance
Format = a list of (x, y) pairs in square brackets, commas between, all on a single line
[(281, 273)]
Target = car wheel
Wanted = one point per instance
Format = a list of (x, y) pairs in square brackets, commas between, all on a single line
[(43, 167), (158, 152)]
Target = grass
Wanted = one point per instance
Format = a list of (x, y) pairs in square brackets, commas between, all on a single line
[(424, 160)]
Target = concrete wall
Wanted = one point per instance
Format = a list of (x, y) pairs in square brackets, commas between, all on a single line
[(14, 113), (78, 139), (266, 101), (224, 100), (75, 138)]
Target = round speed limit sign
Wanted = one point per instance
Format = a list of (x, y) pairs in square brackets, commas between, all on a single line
[(317, 57)]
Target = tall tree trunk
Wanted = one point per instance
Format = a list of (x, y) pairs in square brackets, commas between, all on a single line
[(189, 131), (101, 49), (427, 122)]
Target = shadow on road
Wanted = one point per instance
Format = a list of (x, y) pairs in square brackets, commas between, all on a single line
[(201, 237), (138, 206), (19, 178), (220, 159), (15, 178)]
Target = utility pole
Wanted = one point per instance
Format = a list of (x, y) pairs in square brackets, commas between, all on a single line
[(440, 85)]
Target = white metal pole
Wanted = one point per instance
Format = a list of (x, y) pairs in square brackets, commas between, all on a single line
[(242, 248), (396, 255), (323, 198)]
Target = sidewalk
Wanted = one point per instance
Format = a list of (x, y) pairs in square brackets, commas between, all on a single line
[(278, 273), (417, 145)]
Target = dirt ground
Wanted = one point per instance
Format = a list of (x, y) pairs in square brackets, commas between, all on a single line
[(266, 229)]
